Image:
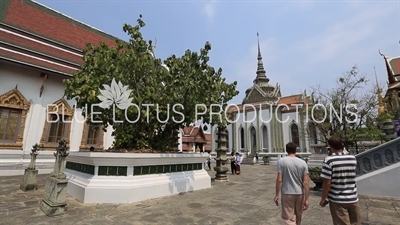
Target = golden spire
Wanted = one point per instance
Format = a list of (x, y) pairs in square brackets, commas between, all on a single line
[(381, 108)]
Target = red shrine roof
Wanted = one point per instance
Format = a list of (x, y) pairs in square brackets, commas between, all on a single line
[(196, 135), (35, 35)]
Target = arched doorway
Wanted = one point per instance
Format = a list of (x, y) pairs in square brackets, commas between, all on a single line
[(242, 138), (265, 144), (313, 133), (253, 140), (294, 131)]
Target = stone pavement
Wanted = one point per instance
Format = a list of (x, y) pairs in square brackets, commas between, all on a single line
[(246, 199)]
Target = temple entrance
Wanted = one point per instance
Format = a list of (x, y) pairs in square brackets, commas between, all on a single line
[(253, 140)]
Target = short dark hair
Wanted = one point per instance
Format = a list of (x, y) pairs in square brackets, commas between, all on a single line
[(291, 148), (336, 143)]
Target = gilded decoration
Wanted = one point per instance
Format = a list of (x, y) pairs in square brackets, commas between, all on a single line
[(62, 108), (84, 146), (15, 100)]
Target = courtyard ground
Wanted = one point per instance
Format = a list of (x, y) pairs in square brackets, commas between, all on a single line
[(246, 199)]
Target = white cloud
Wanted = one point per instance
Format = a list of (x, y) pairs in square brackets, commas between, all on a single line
[(340, 37), (209, 10)]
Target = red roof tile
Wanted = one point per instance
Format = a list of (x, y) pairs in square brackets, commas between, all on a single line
[(55, 36), (35, 46), (40, 20), (34, 62)]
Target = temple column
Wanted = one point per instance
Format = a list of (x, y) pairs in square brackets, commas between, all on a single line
[(303, 130), (234, 136), (258, 131), (274, 133), (280, 133), (246, 133)]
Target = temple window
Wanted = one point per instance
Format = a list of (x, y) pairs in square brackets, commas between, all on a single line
[(294, 130), (9, 124), (92, 136), (57, 125), (13, 111)]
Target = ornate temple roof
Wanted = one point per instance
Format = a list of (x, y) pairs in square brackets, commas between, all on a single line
[(262, 90), (34, 35), (393, 70), (195, 134)]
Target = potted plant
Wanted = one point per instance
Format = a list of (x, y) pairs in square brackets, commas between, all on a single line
[(315, 176), (266, 159)]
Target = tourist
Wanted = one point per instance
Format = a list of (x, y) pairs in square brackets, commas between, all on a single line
[(238, 160), (209, 161), (339, 188), (292, 182), (397, 128), (256, 157), (233, 160)]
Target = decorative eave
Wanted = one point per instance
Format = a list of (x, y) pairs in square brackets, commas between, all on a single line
[(55, 47), (392, 67)]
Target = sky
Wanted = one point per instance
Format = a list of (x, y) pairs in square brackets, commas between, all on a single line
[(303, 43)]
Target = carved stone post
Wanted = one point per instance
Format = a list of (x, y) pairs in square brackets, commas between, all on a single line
[(388, 129), (54, 200), (221, 158), (30, 181)]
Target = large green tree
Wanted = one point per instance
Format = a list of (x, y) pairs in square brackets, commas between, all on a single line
[(355, 105), (155, 86)]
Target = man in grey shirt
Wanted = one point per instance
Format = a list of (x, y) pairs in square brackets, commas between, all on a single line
[(293, 181)]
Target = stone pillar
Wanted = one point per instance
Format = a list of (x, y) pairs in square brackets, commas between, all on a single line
[(246, 133), (234, 131), (388, 129), (303, 129), (54, 200), (221, 159), (279, 133), (258, 132), (272, 129), (30, 181)]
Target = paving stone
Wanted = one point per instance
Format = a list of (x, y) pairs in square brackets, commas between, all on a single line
[(244, 199)]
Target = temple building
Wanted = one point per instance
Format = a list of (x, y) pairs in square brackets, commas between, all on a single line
[(35, 57), (393, 92), (261, 125)]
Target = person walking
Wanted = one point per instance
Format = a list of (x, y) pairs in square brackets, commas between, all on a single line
[(292, 182), (238, 161), (209, 161), (256, 157), (339, 188), (233, 160)]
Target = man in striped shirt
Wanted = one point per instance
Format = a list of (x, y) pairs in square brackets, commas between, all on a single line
[(339, 186)]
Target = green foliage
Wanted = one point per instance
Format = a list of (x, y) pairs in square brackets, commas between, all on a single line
[(314, 169), (362, 119), (189, 81), (266, 157)]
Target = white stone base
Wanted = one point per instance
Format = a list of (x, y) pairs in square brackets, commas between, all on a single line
[(14, 162), (129, 189)]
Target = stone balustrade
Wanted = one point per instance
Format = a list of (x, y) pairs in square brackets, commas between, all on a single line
[(378, 157)]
